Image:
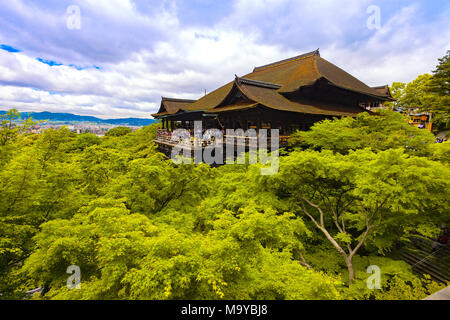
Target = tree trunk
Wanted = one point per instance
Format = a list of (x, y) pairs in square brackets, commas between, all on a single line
[(351, 271)]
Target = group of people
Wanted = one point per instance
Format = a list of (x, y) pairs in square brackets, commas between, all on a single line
[(163, 134), (206, 135)]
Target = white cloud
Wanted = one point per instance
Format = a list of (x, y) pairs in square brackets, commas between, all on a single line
[(144, 56), (400, 51), (183, 68)]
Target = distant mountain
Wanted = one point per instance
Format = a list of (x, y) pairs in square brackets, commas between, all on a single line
[(69, 117)]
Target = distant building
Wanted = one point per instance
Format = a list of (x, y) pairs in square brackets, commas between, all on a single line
[(421, 120)]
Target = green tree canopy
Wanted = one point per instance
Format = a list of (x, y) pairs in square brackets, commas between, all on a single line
[(439, 84), (118, 132), (364, 198), (124, 255), (141, 227), (379, 132)]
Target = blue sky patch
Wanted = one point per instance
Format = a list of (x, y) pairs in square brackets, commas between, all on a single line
[(51, 63), (84, 68), (8, 48)]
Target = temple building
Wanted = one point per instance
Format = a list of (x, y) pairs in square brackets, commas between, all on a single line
[(288, 95)]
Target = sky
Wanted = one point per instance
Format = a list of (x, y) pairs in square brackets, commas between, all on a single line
[(116, 58)]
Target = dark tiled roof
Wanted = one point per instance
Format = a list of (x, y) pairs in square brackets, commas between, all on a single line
[(342, 79), (212, 99), (258, 83), (269, 97), (237, 106), (265, 84), (172, 106), (384, 90)]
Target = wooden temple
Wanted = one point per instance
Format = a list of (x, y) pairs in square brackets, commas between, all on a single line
[(288, 95)]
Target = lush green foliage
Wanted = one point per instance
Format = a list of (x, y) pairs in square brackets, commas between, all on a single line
[(429, 93), (140, 227), (118, 132), (382, 132), (439, 84)]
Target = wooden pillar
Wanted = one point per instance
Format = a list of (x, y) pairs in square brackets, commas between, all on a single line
[(241, 122)]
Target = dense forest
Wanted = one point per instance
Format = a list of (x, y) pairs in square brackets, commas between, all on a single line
[(349, 193)]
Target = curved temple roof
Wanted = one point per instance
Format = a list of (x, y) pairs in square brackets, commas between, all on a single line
[(172, 106), (265, 94), (266, 84), (385, 91)]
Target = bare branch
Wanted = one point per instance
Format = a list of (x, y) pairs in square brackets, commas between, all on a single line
[(310, 216), (318, 209), (361, 242), (322, 227), (303, 262)]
